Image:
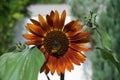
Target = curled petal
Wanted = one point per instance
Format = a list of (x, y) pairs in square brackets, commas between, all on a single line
[(35, 22), (75, 30), (52, 14), (70, 25), (49, 20), (35, 30)]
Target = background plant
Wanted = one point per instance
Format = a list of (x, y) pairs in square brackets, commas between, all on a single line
[(10, 12), (101, 68)]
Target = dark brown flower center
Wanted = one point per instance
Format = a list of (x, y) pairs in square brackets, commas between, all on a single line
[(56, 43)]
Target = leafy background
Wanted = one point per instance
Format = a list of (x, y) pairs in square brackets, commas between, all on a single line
[(109, 22)]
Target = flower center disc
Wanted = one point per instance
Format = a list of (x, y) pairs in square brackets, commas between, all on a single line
[(56, 43)]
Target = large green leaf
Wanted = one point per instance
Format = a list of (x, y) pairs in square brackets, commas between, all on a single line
[(23, 65), (108, 55)]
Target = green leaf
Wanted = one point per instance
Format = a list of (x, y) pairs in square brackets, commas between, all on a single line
[(23, 65), (17, 16), (106, 38), (108, 55)]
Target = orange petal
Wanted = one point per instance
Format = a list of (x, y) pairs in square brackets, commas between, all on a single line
[(79, 54), (74, 31), (80, 41), (49, 20), (31, 37), (68, 62), (79, 35), (52, 63), (52, 14), (75, 58), (35, 30), (62, 19), (35, 22), (76, 28), (34, 42), (68, 26), (59, 67), (78, 47), (43, 23), (56, 18)]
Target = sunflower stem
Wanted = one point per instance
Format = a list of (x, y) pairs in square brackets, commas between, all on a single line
[(62, 76), (47, 77)]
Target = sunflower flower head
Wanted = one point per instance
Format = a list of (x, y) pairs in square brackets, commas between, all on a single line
[(61, 44)]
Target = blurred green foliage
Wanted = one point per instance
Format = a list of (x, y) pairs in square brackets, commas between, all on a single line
[(46, 1), (106, 36), (80, 8), (10, 12), (110, 20)]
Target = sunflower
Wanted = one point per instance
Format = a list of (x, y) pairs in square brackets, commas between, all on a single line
[(61, 44)]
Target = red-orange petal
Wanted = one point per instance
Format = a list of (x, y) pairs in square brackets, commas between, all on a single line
[(73, 59), (56, 19), (43, 23), (68, 62), (49, 20), (52, 63), (76, 58), (70, 25), (52, 14), (79, 35), (35, 22), (80, 41), (74, 31), (76, 28), (78, 47), (58, 68), (31, 37), (34, 42), (61, 65), (62, 19), (35, 30)]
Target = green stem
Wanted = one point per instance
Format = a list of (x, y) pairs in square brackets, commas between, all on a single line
[(62, 76)]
